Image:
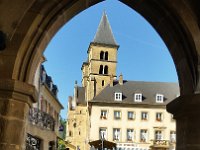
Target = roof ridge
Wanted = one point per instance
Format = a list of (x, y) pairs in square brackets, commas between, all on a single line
[(150, 81)]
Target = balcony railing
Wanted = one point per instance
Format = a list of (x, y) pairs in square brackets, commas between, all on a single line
[(161, 142), (41, 119)]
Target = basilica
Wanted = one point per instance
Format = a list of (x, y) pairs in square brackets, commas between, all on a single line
[(131, 114)]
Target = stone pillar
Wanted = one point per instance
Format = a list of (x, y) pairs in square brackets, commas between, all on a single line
[(15, 100), (186, 111), (44, 145)]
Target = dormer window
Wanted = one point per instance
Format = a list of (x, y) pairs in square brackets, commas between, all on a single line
[(118, 96), (138, 97), (159, 98)]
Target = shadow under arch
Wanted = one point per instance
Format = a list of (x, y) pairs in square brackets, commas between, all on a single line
[(163, 16)]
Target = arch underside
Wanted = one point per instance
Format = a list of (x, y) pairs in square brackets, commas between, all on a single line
[(177, 22)]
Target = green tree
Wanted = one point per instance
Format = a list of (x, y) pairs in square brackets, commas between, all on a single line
[(62, 134), (61, 144)]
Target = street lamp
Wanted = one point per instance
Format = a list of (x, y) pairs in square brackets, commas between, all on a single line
[(102, 139)]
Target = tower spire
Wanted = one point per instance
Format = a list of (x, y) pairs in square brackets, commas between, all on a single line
[(104, 33)]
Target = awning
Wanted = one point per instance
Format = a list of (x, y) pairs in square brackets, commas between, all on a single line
[(106, 144)]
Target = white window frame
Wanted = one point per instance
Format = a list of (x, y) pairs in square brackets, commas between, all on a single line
[(172, 136), (144, 115), (158, 135), (104, 114), (130, 134), (159, 116), (118, 96), (116, 134), (143, 135), (138, 97), (103, 132), (159, 98), (130, 118), (172, 118), (117, 116)]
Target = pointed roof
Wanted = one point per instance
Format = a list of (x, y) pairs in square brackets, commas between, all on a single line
[(104, 33)]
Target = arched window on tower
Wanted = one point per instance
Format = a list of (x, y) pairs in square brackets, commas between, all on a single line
[(70, 133), (102, 83), (106, 69), (106, 55), (101, 69), (101, 55)]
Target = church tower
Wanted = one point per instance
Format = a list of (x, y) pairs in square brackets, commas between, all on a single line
[(100, 67)]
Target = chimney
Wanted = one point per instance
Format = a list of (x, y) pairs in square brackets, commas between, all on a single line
[(111, 81), (121, 79)]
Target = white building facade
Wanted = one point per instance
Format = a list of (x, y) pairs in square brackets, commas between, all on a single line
[(130, 128)]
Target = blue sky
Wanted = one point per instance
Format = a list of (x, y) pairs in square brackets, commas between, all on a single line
[(142, 54)]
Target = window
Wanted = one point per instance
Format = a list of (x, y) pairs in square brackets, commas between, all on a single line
[(159, 116), (43, 76), (130, 115), (106, 55), (102, 83), (118, 96), (74, 125), (144, 116), (116, 134), (102, 133), (44, 105), (103, 114), (36, 144), (173, 136), (138, 97), (158, 135), (159, 98), (106, 70), (70, 133), (172, 118), (101, 69), (117, 115), (130, 135), (101, 55), (143, 135)]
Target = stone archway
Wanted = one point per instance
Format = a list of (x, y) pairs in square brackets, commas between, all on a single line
[(27, 27)]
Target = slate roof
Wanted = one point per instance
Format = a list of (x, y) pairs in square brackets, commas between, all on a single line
[(148, 90), (81, 96), (104, 33)]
